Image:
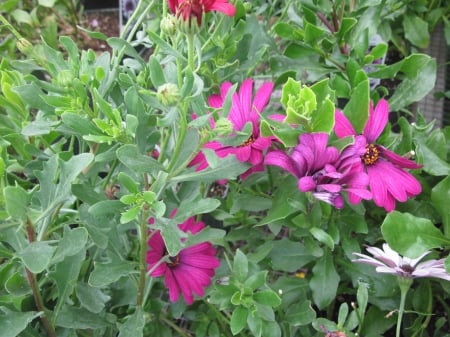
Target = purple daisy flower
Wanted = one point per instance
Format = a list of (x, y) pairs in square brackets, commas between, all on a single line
[(388, 261), (189, 272), (322, 170), (388, 179)]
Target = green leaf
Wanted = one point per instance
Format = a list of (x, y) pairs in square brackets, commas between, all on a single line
[(156, 72), (240, 265), (357, 109), (325, 281), (130, 156), (78, 318), (73, 241), (267, 297), (107, 273), (55, 184), (172, 237), (37, 256), (134, 325), (80, 125), (229, 168), (197, 206), (257, 280), (128, 182), (65, 276), (416, 30), (123, 45), (238, 319), (292, 255), (440, 195), (411, 236), (322, 236), (300, 314), (91, 298), (419, 83), (16, 202), (46, 3), (12, 323)]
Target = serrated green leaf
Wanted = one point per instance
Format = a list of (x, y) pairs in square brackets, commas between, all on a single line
[(16, 202)]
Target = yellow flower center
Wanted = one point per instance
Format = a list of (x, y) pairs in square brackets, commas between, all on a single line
[(371, 155), (249, 141)]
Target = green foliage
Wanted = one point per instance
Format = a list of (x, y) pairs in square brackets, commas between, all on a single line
[(96, 153)]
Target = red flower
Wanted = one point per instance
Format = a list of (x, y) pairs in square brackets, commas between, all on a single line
[(189, 272), (189, 9)]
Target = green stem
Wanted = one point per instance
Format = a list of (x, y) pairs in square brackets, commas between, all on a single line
[(35, 288), (191, 53), (405, 284), (179, 330), (10, 27)]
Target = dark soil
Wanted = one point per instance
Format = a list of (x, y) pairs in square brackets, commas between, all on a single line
[(105, 21)]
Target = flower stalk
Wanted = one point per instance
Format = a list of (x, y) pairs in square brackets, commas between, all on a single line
[(404, 284)]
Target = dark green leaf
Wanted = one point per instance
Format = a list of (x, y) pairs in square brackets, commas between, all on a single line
[(324, 281), (129, 156), (107, 273)]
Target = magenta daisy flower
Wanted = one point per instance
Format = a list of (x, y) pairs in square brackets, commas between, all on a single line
[(388, 179), (245, 108), (388, 261), (189, 272), (322, 170), (189, 9)]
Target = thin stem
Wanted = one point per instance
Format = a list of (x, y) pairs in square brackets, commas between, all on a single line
[(35, 288), (180, 331), (10, 27), (143, 250), (190, 41), (404, 284)]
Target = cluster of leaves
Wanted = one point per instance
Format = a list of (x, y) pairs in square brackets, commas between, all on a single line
[(89, 151)]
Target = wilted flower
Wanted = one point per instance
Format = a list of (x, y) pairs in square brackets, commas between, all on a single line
[(387, 178), (190, 271), (244, 109), (387, 260), (322, 170), (189, 9)]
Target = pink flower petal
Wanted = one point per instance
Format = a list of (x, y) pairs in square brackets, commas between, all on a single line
[(342, 126), (377, 121)]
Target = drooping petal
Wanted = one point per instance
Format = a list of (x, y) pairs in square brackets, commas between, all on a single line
[(377, 121), (262, 96), (281, 159), (398, 160)]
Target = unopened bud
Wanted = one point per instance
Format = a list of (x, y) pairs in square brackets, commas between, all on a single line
[(65, 77), (168, 94), (168, 25), (24, 46), (223, 127)]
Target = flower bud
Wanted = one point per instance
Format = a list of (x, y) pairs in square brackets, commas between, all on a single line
[(168, 25), (223, 127), (168, 94), (24, 46), (65, 77)]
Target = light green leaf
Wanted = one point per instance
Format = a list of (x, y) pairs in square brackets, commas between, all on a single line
[(267, 297), (65, 276), (322, 236), (240, 265), (73, 241), (91, 298), (416, 30), (238, 320), (12, 323), (78, 318), (37, 256), (46, 3), (107, 273), (411, 236), (130, 156), (134, 325), (16, 202)]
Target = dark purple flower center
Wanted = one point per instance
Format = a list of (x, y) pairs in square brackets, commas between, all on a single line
[(371, 155), (248, 142), (407, 269), (173, 261)]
